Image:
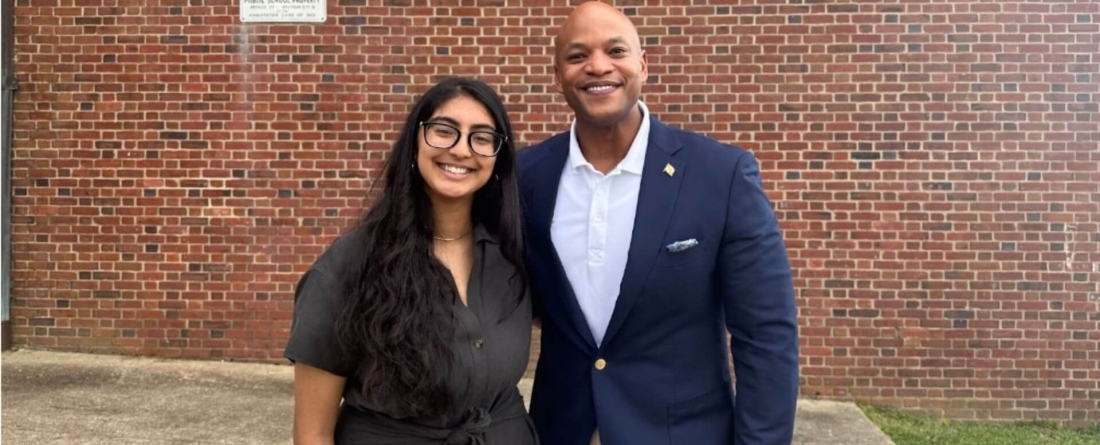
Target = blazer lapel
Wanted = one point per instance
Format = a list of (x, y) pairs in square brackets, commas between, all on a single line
[(544, 198), (656, 201)]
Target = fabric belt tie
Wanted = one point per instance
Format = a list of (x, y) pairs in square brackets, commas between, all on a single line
[(361, 428), (472, 429)]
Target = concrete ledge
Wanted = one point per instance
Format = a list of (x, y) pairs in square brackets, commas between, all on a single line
[(63, 398), (824, 422)]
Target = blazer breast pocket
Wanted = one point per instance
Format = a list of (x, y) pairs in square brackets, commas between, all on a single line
[(682, 253)]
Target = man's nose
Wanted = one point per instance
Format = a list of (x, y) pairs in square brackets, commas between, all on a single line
[(598, 64)]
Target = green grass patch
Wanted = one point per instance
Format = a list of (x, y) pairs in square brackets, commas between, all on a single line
[(909, 429)]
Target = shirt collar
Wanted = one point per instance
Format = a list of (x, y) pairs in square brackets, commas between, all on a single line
[(481, 233), (635, 155)]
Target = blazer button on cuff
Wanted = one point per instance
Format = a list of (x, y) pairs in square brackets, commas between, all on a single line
[(478, 343), (600, 364)]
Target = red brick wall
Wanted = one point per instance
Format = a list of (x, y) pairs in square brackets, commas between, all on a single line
[(935, 165)]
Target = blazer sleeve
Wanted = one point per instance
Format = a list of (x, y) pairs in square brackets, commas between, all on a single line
[(760, 313)]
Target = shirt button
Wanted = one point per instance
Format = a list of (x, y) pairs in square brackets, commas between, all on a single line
[(600, 364), (599, 218), (595, 255), (478, 343)]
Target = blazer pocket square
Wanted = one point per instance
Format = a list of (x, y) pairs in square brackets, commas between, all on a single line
[(681, 246)]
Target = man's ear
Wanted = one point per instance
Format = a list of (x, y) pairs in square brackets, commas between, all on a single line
[(557, 80)]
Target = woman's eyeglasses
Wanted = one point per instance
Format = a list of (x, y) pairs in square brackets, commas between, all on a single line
[(445, 136)]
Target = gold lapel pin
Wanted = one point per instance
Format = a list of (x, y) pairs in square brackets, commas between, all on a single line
[(670, 170)]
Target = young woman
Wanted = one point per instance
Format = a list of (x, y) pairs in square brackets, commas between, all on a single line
[(419, 318)]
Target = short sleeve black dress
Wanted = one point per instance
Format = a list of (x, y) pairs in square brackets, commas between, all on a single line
[(491, 347)]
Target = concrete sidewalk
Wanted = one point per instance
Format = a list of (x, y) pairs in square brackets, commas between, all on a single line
[(60, 398)]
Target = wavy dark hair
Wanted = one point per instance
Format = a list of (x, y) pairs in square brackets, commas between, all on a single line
[(398, 321)]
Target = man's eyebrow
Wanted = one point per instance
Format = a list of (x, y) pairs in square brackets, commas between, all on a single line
[(575, 45), (612, 41), (615, 40)]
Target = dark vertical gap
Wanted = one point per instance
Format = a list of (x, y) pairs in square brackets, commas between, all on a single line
[(9, 86)]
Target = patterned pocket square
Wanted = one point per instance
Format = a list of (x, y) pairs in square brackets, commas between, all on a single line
[(681, 246)]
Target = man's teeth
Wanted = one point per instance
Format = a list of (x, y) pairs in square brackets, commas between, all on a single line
[(454, 169), (601, 88)]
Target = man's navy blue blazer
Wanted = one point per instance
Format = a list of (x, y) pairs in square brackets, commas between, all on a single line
[(661, 375)]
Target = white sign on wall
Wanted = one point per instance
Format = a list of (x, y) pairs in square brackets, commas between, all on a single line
[(312, 11)]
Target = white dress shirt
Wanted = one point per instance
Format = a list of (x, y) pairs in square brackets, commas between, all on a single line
[(594, 222)]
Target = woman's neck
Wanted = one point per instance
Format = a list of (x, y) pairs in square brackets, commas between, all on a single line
[(452, 219)]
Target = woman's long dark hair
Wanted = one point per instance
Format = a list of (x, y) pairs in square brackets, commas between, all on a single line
[(398, 320)]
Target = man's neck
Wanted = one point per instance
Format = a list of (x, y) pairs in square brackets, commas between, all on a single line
[(604, 146)]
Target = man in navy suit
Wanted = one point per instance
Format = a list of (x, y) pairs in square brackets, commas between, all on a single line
[(646, 244)]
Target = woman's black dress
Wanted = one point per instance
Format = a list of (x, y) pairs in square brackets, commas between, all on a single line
[(491, 348)]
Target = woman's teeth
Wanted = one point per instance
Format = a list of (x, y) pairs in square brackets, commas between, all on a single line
[(454, 169)]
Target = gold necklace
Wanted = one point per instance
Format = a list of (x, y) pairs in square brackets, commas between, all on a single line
[(455, 238)]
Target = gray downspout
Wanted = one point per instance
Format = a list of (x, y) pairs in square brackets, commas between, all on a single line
[(10, 84)]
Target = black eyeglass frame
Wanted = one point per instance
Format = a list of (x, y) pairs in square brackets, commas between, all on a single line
[(502, 139)]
